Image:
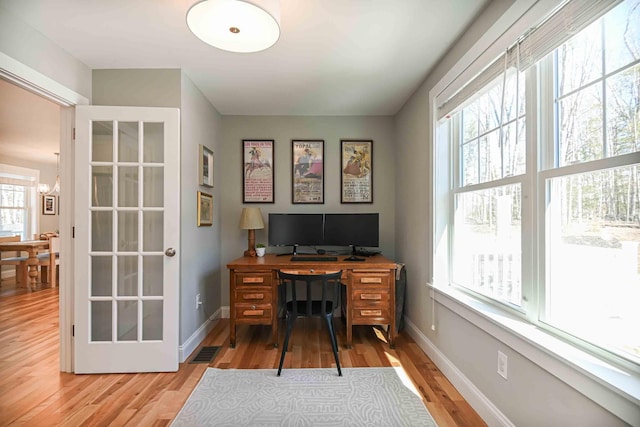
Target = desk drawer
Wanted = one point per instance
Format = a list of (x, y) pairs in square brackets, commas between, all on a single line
[(372, 297), (378, 280), (371, 315), (253, 279), (253, 312), (258, 295)]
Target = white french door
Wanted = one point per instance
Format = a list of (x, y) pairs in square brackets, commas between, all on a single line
[(127, 187)]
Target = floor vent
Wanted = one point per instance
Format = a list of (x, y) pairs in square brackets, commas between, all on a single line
[(205, 355)]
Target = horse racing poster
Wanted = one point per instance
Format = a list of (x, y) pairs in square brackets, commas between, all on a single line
[(357, 172), (257, 176), (308, 171)]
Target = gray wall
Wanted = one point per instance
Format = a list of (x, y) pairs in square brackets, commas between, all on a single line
[(200, 246), (283, 129), (531, 396)]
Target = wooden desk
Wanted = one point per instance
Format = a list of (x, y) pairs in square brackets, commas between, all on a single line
[(31, 247), (369, 294)]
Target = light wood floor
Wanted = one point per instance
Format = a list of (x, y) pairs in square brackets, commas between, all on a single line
[(33, 392)]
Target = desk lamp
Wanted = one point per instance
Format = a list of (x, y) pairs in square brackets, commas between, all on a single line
[(251, 219)]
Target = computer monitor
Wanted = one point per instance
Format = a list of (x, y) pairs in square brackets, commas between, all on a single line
[(351, 229), (295, 229)]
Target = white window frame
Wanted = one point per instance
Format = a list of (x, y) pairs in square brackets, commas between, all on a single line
[(616, 389), (31, 200)]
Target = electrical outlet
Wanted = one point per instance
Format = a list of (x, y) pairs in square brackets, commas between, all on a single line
[(198, 301), (502, 364)]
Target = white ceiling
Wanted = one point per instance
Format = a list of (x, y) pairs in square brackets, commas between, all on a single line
[(334, 57), (29, 125)]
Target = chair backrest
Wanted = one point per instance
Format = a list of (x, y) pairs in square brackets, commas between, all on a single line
[(323, 301), (47, 235), (54, 245)]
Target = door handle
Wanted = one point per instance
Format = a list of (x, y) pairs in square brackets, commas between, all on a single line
[(170, 252)]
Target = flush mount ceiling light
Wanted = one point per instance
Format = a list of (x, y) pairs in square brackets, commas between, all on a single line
[(236, 25)]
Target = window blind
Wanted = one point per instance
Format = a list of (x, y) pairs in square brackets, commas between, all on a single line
[(531, 47)]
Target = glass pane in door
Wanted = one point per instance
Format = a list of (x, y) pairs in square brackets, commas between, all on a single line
[(127, 186), (128, 141), (101, 320), (153, 142), (127, 320), (101, 276), (102, 141), (152, 320)]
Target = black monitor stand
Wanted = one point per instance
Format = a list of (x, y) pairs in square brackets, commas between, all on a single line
[(293, 252)]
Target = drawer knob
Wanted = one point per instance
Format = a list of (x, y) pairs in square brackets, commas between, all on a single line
[(253, 307)]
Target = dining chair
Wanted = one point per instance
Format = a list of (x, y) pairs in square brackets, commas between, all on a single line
[(321, 298)]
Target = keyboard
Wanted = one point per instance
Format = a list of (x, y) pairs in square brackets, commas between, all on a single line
[(314, 258)]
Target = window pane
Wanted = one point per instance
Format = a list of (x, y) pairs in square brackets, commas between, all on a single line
[(487, 250), (514, 151), (623, 112), (13, 210), (580, 60), (470, 122), (514, 99), (470, 163), (593, 253), (622, 35), (489, 153), (489, 108), (580, 127)]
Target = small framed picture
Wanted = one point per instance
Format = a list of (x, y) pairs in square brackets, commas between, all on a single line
[(205, 166), (357, 171), (307, 171), (49, 205), (205, 209), (257, 171)]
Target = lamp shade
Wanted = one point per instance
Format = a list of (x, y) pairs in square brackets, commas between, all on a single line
[(251, 219), (236, 25)]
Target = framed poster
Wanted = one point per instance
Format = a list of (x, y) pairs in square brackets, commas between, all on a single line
[(307, 171), (257, 171), (49, 205), (357, 171), (205, 209), (205, 166)]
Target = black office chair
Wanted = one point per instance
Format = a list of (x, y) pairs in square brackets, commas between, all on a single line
[(328, 286)]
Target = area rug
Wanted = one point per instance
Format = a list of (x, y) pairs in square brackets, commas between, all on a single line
[(304, 397)]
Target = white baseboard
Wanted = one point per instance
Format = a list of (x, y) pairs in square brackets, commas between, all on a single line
[(196, 338), (224, 312), (478, 401)]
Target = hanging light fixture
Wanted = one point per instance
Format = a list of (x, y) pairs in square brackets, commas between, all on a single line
[(44, 188), (236, 25)]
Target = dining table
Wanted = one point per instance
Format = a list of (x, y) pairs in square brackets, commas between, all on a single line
[(32, 247)]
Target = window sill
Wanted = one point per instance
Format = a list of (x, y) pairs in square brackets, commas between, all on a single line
[(612, 388)]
